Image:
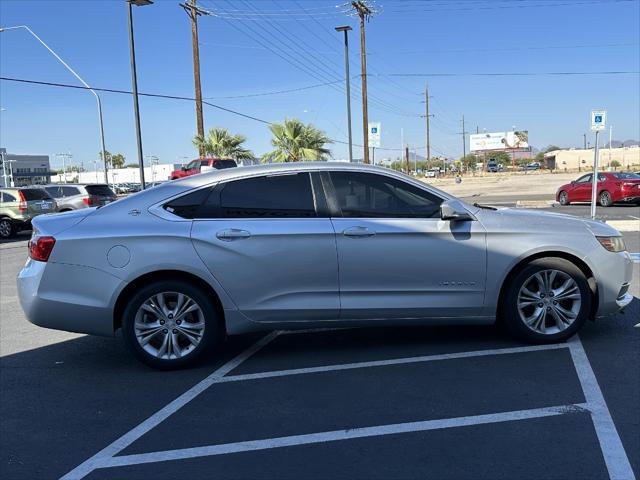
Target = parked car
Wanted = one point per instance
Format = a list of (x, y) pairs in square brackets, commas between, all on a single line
[(195, 166), (18, 206), (73, 196), (180, 266), (613, 187), (531, 166), (432, 173), (155, 184), (493, 166), (121, 188)]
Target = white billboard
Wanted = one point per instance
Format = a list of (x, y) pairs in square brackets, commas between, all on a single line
[(499, 141)]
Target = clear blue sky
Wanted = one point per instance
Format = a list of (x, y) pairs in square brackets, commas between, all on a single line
[(407, 37)]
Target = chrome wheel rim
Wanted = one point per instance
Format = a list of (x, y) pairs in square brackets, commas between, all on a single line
[(549, 301), (5, 228), (563, 198), (169, 325)]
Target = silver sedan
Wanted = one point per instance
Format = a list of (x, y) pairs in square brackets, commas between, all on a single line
[(180, 266)]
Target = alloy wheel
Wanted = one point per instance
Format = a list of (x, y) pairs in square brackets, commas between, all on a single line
[(605, 199), (169, 325), (5, 228), (564, 198), (549, 301)]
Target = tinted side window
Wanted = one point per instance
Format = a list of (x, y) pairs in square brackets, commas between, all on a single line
[(188, 206), (35, 194), (101, 190), (7, 198), (54, 191), (371, 195), (584, 179), (69, 191), (281, 196), (220, 164)]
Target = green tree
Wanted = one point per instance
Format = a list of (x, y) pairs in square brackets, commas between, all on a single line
[(615, 164), (469, 161), (294, 141), (219, 143), (117, 160), (108, 154)]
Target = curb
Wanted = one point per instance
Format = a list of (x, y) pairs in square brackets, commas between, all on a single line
[(536, 204)]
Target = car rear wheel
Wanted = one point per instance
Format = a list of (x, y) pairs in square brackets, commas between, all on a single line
[(170, 324), (547, 301), (605, 199), (7, 230), (563, 198)]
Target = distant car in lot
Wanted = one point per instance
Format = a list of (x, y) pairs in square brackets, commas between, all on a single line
[(121, 188), (155, 184), (493, 166), (18, 206), (180, 266), (432, 173), (531, 166), (613, 187), (73, 196), (195, 166)]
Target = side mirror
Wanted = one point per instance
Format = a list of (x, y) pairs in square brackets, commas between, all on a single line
[(573, 182), (184, 169), (454, 210)]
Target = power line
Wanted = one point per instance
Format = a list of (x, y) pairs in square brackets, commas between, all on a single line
[(510, 74), (279, 92)]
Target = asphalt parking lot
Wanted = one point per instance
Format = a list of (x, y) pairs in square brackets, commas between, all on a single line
[(446, 402)]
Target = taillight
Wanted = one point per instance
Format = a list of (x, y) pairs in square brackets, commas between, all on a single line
[(40, 248), (22, 207), (90, 201)]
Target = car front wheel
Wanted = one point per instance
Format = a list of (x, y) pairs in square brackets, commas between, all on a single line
[(547, 301), (170, 324), (563, 198)]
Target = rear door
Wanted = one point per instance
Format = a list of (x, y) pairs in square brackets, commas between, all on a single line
[(100, 195), (265, 242)]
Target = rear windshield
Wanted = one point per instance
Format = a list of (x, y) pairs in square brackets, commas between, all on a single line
[(626, 176), (220, 164), (102, 190), (30, 194)]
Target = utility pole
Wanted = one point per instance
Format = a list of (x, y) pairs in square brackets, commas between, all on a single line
[(585, 140), (346, 29), (364, 12), (406, 150), (194, 11), (464, 142), (426, 101)]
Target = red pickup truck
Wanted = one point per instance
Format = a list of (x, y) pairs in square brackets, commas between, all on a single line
[(195, 166)]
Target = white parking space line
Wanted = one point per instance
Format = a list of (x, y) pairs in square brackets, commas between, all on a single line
[(613, 451), (395, 361), (161, 415), (338, 435), (635, 257)]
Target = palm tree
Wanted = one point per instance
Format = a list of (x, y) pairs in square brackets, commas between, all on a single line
[(221, 144), (294, 141)]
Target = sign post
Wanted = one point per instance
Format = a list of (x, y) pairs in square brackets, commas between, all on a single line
[(598, 123), (374, 138)]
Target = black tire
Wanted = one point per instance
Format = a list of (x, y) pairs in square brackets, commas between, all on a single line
[(563, 198), (211, 337), (510, 315), (605, 199), (7, 228)]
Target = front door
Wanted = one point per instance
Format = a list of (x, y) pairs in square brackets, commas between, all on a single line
[(397, 258), (269, 250), (582, 189)]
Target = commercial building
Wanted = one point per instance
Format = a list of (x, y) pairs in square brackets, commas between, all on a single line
[(21, 170), (623, 158)]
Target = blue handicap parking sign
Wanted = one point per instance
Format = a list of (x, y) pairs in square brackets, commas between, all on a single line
[(598, 119), (374, 130)]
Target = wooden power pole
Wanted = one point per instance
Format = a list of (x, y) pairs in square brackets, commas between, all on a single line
[(364, 12), (193, 11), (426, 101)]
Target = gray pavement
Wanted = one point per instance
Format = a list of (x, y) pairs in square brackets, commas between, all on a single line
[(444, 402)]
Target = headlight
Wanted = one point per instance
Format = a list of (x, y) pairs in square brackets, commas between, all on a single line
[(613, 244)]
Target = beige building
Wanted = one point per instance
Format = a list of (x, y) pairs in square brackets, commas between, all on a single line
[(578, 160)]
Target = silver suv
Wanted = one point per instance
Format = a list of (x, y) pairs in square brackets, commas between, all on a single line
[(74, 196)]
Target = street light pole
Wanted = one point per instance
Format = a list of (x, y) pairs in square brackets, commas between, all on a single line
[(348, 80), (134, 81), (104, 150)]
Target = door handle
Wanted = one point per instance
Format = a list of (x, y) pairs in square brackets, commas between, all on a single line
[(232, 234), (358, 232)]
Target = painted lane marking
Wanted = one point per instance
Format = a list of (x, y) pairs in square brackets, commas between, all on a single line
[(338, 435), (613, 451), (635, 257), (161, 415), (395, 361)]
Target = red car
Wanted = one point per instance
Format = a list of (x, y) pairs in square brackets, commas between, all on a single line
[(195, 166), (612, 187)]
